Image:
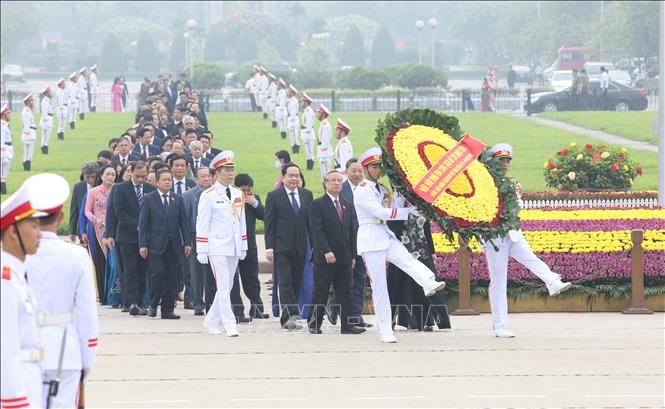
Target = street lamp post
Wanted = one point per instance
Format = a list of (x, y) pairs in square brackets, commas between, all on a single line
[(432, 24), (419, 26), (187, 47), (191, 25)]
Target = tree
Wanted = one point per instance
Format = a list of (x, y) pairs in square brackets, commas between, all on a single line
[(282, 41), (353, 50), (207, 75), (112, 59), (413, 76), (295, 9), (267, 52), (147, 55), (313, 54), (362, 78), (177, 58), (383, 49)]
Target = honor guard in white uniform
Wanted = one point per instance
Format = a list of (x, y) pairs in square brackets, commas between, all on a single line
[(292, 108), (280, 107), (83, 92), (271, 98), (252, 87), (262, 84), (499, 250), (61, 101), (46, 121), (378, 245), (29, 134), (323, 140), (6, 147), (94, 88), (60, 277), (72, 100), (221, 239), (344, 149), (307, 130), (20, 347)]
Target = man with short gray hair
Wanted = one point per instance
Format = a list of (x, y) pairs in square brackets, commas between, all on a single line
[(88, 173)]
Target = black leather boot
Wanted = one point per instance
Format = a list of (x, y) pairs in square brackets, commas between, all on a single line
[(44, 150), (310, 164), (283, 134), (265, 115), (274, 124), (61, 135), (72, 125), (82, 116), (29, 165), (297, 148)]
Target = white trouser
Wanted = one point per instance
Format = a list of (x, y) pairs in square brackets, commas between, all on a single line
[(46, 135), (497, 263), (280, 117), (270, 106), (68, 390), (93, 99), (307, 136), (325, 166), (224, 269), (375, 261), (28, 149), (7, 156), (83, 103), (73, 109), (293, 132), (62, 119), (262, 102)]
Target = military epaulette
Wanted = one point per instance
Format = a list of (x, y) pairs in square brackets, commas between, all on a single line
[(210, 189), (6, 273)]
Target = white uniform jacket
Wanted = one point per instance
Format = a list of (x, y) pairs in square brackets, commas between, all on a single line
[(72, 94), (29, 128), (6, 142), (307, 121), (325, 135), (21, 382), (221, 229), (61, 100), (47, 113), (292, 109), (94, 84), (60, 276), (343, 152), (372, 209)]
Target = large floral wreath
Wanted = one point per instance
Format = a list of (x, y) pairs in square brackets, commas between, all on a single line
[(480, 203)]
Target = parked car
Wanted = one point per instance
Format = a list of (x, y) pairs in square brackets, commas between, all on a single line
[(523, 74), (593, 68), (561, 80), (622, 77), (619, 98), (13, 72)]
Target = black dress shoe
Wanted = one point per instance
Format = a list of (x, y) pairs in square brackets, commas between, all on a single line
[(198, 312), (142, 311), (353, 330), (134, 309), (365, 325), (332, 318), (315, 331), (189, 306), (124, 309), (152, 312), (259, 316), (243, 320), (170, 316)]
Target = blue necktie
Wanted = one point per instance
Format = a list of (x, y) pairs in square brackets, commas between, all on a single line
[(139, 194), (178, 189), (294, 203)]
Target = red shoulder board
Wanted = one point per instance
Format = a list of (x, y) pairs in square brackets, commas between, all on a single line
[(6, 273)]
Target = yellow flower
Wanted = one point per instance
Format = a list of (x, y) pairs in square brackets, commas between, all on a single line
[(571, 175), (625, 168), (623, 149), (579, 156), (573, 144), (605, 155)]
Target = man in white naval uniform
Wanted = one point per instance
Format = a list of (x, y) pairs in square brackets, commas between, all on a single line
[(271, 98), (221, 239), (344, 149), (72, 100), (20, 349), (29, 134), (280, 107), (307, 130), (378, 245), (292, 108), (60, 276), (94, 88), (324, 136), (6, 147), (262, 85), (46, 121), (83, 92), (512, 245), (61, 101)]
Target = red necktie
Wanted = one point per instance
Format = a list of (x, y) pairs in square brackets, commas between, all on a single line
[(146, 151), (339, 210)]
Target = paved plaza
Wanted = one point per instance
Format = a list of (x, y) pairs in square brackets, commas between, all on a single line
[(557, 360)]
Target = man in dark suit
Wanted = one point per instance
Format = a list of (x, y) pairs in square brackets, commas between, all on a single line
[(181, 183), (196, 158), (334, 231), (164, 235), (144, 148), (88, 173), (249, 267), (208, 150), (124, 155), (286, 239), (127, 199)]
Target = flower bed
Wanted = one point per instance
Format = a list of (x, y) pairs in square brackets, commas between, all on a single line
[(588, 247)]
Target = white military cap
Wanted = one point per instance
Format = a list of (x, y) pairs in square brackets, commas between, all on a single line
[(5, 109), (324, 109), (93, 68), (72, 75), (272, 76), (281, 82), (27, 97), (60, 81), (46, 88), (82, 70), (48, 192), (224, 158), (372, 155), (17, 207), (293, 89), (343, 125), (502, 150), (306, 97)]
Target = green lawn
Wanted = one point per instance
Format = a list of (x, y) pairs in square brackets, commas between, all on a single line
[(255, 142), (635, 125)]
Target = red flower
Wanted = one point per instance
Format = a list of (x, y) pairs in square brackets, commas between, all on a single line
[(639, 170), (550, 165), (558, 166), (596, 156), (622, 154), (614, 167), (563, 152), (588, 147)]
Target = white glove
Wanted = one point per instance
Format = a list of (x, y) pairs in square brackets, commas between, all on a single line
[(243, 254), (202, 258)]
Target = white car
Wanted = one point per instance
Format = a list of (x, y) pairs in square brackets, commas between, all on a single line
[(622, 77), (13, 72), (593, 68), (561, 80)]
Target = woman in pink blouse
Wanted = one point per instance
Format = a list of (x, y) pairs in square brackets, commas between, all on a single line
[(95, 211), (116, 95)]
